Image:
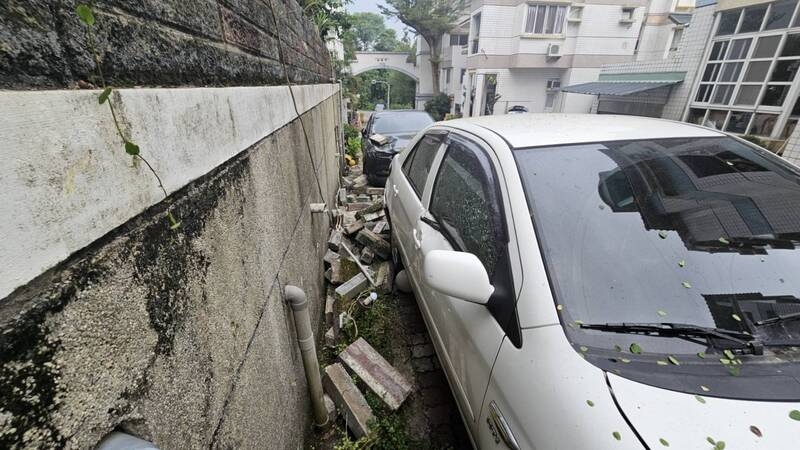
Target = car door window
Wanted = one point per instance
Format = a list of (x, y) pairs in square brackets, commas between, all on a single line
[(465, 202), (418, 164)]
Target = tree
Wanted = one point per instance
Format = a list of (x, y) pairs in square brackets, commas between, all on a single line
[(368, 32), (431, 19), (438, 106)]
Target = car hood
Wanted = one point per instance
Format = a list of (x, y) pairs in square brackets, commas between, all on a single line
[(397, 142), (687, 421)]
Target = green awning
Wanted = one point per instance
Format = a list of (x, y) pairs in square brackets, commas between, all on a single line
[(615, 87)]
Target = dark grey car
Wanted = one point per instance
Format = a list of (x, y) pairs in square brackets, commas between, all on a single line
[(399, 127)]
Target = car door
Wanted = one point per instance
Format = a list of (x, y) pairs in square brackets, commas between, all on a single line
[(466, 214), (409, 188)]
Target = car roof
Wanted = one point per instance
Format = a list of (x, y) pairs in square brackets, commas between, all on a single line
[(546, 129)]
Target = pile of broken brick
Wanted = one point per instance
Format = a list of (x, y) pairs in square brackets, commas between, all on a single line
[(358, 268)]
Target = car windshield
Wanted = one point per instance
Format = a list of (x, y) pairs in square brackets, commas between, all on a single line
[(700, 232), (401, 122)]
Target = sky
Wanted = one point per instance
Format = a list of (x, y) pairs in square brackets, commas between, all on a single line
[(372, 6)]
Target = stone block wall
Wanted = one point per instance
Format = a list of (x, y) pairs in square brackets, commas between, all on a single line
[(109, 319), (159, 43)]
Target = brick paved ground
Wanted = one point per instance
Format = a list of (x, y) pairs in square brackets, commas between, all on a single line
[(431, 410)]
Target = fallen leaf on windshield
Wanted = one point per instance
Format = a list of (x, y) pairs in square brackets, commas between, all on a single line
[(636, 349), (794, 414), (673, 360), (681, 263), (754, 429), (686, 285)]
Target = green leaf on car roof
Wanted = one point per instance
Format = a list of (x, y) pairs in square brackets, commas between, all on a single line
[(663, 442), (754, 429), (720, 445), (681, 263), (686, 284), (617, 436), (636, 349), (700, 399), (794, 414), (589, 402), (711, 440)]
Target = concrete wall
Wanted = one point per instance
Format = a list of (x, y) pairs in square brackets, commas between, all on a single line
[(109, 319)]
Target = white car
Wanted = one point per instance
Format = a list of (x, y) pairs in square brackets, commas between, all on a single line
[(595, 281)]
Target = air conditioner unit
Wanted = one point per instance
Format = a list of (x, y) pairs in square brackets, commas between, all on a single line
[(554, 51)]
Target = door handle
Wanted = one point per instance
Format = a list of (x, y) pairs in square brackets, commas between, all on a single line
[(417, 235), (500, 429)]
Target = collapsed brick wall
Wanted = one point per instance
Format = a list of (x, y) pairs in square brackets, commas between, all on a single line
[(160, 43)]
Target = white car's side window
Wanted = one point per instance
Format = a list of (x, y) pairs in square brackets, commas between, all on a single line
[(465, 202), (418, 163)]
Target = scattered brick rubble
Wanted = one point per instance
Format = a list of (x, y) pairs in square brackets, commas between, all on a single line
[(357, 263)]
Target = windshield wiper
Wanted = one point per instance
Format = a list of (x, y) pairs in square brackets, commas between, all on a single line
[(684, 331), (779, 319)]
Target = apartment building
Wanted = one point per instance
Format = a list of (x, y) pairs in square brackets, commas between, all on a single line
[(520, 53)]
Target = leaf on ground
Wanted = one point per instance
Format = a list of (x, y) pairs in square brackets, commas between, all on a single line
[(636, 349), (794, 414), (85, 13), (754, 429), (625, 360), (701, 355), (735, 371), (662, 362), (617, 436), (131, 148), (700, 399), (589, 402), (686, 285), (729, 354), (104, 95), (673, 360), (725, 361)]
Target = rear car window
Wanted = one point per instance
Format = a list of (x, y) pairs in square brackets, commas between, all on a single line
[(418, 164), (400, 122)]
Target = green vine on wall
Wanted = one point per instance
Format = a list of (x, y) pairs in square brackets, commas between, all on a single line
[(87, 17)]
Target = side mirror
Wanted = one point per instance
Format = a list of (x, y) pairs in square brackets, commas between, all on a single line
[(458, 274), (378, 140), (364, 131)]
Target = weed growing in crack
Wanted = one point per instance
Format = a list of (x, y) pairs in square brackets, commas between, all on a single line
[(86, 15)]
